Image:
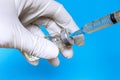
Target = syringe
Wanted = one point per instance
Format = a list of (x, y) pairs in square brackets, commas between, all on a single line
[(99, 24), (67, 39)]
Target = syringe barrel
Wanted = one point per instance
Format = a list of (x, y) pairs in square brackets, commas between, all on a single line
[(103, 22), (117, 16)]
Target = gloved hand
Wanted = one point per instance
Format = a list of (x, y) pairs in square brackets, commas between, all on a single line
[(19, 27)]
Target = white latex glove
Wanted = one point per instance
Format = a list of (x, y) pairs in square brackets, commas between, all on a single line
[(19, 22)]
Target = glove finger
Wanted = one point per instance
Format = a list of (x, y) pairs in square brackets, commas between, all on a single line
[(31, 59), (54, 62), (52, 28), (57, 12), (34, 45), (67, 52), (50, 25), (36, 31), (48, 8)]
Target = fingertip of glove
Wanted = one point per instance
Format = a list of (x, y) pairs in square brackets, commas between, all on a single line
[(34, 63), (67, 53), (51, 50), (55, 62)]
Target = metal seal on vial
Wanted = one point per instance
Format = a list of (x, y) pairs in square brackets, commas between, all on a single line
[(68, 41), (65, 38)]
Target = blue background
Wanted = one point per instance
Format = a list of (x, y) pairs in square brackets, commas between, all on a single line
[(98, 59)]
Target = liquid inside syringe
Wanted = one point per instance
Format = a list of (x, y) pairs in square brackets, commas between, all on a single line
[(99, 24)]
